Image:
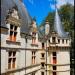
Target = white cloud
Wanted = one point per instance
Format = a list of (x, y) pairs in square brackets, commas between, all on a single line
[(60, 3), (52, 6), (71, 1)]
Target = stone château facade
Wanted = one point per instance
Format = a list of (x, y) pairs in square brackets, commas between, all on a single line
[(23, 51)]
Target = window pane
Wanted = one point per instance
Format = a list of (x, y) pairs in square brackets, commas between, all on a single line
[(9, 63), (54, 60), (53, 39), (42, 73), (54, 53), (42, 45), (58, 40), (15, 33), (15, 28), (42, 64), (14, 53), (54, 73), (63, 41), (11, 33), (11, 26), (42, 55), (49, 41), (54, 67), (33, 74), (10, 53), (13, 64)]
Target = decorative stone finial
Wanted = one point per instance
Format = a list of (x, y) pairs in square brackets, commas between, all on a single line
[(47, 22)]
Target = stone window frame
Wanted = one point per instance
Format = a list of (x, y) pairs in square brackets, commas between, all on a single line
[(11, 59)]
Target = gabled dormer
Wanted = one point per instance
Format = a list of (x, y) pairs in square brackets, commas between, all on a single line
[(34, 33), (13, 23)]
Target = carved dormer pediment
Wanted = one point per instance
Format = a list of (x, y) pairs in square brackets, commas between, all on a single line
[(13, 17), (34, 27), (54, 34)]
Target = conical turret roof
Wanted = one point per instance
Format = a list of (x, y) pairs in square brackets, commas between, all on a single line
[(58, 28)]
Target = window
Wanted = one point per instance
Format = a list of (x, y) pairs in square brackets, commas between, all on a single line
[(43, 55), (54, 53), (49, 41), (54, 67), (62, 40), (54, 57), (33, 74), (11, 27), (54, 73), (11, 59), (42, 64), (58, 40), (34, 34), (42, 73), (33, 57), (13, 32), (33, 38), (9, 63), (53, 39), (42, 45), (54, 60)]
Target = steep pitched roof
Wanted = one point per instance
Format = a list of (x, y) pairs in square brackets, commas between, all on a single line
[(24, 15), (58, 28)]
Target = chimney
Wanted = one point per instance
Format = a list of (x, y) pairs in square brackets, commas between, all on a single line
[(47, 22), (47, 27)]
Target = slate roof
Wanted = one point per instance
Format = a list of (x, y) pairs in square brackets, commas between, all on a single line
[(23, 13), (58, 27)]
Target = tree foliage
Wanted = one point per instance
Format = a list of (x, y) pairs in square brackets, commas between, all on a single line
[(67, 17), (66, 13)]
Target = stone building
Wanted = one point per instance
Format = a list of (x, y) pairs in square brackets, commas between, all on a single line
[(24, 51)]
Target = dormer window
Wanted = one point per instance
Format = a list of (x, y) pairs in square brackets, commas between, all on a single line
[(13, 32), (53, 39), (58, 40), (13, 19), (33, 38), (63, 41)]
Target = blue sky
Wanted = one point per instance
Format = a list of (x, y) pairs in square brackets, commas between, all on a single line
[(40, 8)]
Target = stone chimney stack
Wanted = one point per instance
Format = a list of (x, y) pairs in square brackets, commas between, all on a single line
[(47, 27)]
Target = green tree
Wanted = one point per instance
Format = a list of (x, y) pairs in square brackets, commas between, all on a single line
[(66, 13), (67, 17)]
